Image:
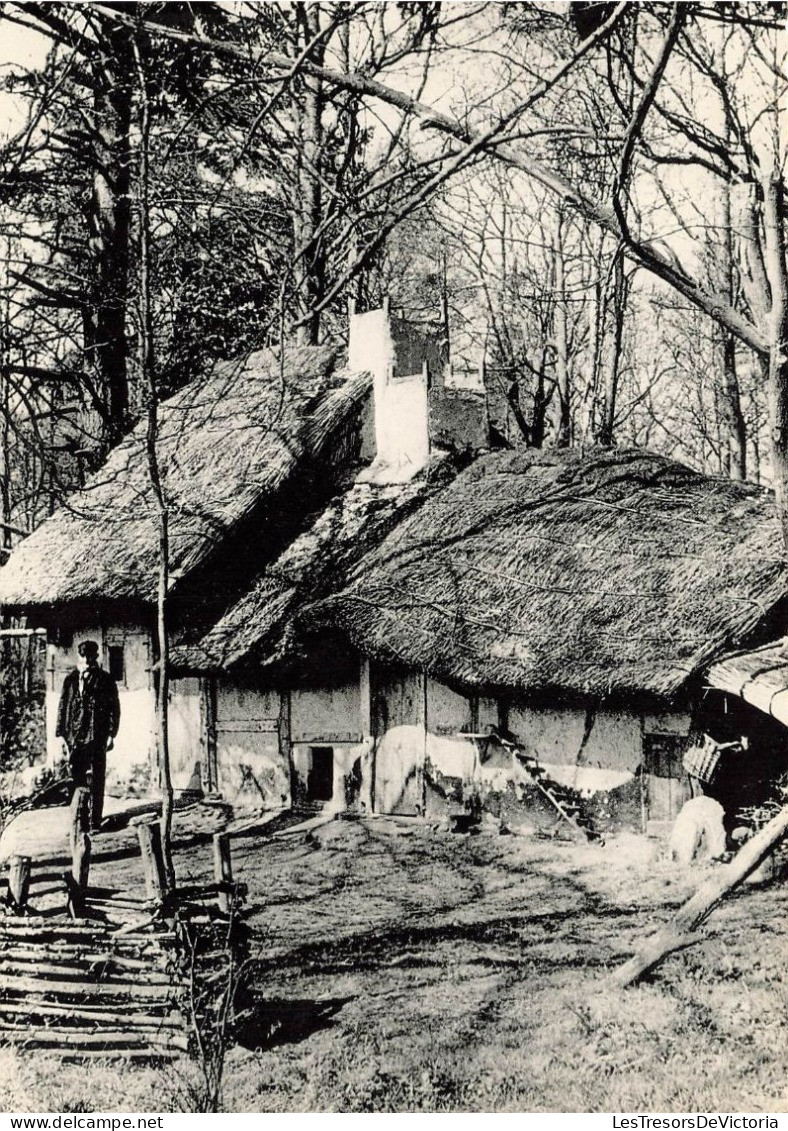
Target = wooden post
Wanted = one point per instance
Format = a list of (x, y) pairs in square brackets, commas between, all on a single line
[(80, 816), (149, 835), (210, 782), (79, 841), (223, 870), (18, 883)]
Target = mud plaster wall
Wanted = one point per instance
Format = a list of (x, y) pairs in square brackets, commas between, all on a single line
[(596, 745), (598, 753), (397, 699), (451, 761), (326, 715), (447, 711), (398, 705), (135, 742), (424, 759), (252, 768)]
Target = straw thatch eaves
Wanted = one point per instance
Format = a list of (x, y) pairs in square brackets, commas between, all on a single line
[(225, 443), (759, 677), (259, 631), (607, 573)]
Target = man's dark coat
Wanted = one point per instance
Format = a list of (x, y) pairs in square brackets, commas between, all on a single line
[(92, 717)]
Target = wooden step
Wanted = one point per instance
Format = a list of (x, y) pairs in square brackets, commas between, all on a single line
[(11, 1012), (82, 959), (78, 1039), (45, 989), (67, 974)]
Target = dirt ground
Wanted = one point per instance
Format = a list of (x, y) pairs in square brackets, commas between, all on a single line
[(400, 967)]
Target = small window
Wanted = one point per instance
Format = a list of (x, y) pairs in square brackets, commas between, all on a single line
[(61, 637), (320, 780), (117, 667), (663, 755)]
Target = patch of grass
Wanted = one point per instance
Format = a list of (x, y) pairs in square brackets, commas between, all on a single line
[(469, 975), (48, 1084)]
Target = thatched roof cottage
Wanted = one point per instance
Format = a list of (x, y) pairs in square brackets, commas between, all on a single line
[(358, 596), (244, 453)]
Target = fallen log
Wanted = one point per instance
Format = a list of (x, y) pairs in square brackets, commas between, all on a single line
[(681, 932)]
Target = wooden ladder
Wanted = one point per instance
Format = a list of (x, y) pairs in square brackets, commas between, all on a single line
[(560, 798)]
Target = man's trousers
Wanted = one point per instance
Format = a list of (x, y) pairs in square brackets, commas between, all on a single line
[(88, 763)]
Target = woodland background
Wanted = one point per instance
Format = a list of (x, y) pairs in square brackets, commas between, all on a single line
[(587, 198)]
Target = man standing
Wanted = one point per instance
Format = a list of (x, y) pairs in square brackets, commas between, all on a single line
[(87, 720)]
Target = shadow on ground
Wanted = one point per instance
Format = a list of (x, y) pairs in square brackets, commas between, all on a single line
[(266, 1023)]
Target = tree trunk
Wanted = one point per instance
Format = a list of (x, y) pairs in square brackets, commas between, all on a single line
[(561, 342), (310, 271), (160, 510), (680, 932), (732, 410), (596, 316), (774, 264), (731, 395), (109, 227), (605, 433)]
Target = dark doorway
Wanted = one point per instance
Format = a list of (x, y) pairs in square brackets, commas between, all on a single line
[(117, 665), (320, 779)]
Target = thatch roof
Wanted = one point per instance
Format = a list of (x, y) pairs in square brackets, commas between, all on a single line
[(259, 630), (609, 572), (225, 442), (759, 677)]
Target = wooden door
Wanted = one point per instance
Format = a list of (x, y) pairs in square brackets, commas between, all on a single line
[(185, 734), (251, 765), (665, 780)]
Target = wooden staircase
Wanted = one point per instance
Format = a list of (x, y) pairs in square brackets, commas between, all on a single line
[(85, 989)]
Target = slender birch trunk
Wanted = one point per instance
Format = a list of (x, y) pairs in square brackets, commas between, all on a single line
[(160, 511)]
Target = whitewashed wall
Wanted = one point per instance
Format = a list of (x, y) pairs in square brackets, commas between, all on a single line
[(186, 734), (135, 742), (400, 399)]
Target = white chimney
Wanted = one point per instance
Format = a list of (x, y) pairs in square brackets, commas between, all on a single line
[(398, 357)]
